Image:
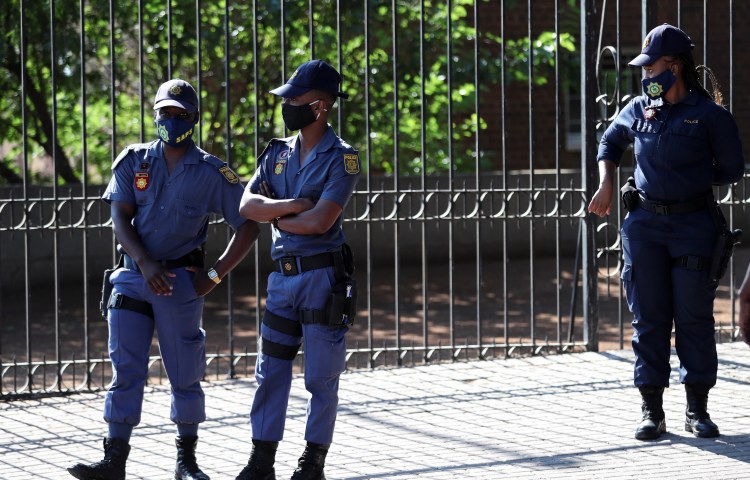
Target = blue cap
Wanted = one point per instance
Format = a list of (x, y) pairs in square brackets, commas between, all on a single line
[(176, 93), (662, 40), (312, 75)]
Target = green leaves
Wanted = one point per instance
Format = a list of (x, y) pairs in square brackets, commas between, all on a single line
[(238, 115)]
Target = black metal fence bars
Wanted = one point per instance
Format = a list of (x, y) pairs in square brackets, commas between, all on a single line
[(476, 122)]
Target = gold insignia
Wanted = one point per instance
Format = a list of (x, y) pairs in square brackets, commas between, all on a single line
[(279, 167), (293, 75), (229, 174), (351, 163), (288, 266), (163, 133), (175, 90), (646, 42), (654, 89), (141, 181)]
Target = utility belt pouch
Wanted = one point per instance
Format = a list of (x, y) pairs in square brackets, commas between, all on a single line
[(725, 244), (107, 288), (629, 195), (342, 303)]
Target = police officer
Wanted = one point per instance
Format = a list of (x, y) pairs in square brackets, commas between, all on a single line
[(301, 186), (685, 142), (161, 195)]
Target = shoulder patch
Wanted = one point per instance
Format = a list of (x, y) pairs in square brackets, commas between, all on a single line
[(351, 163), (230, 176)]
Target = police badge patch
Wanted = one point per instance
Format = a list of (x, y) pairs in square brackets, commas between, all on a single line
[(351, 163), (229, 174), (141, 181)]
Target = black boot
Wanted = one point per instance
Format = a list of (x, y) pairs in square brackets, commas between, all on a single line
[(653, 423), (697, 419), (260, 465), (311, 463), (112, 467), (187, 467)]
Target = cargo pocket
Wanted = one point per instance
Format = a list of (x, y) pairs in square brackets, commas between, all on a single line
[(192, 361)]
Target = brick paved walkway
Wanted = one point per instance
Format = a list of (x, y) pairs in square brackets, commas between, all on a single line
[(558, 417)]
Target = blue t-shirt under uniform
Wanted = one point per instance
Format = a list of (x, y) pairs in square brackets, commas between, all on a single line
[(681, 150), (330, 173), (173, 210)]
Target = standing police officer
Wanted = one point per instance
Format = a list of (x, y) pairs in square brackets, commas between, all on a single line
[(685, 142), (162, 195), (301, 186)]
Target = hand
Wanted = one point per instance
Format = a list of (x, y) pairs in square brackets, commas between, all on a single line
[(201, 283), (601, 202), (157, 277)]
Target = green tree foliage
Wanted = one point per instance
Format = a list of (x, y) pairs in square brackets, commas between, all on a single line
[(90, 75)]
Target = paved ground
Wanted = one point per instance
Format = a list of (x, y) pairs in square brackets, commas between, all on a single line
[(562, 417)]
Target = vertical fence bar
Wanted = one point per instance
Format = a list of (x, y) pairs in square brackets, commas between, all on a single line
[(55, 191), (27, 211), (84, 196), (588, 172), (451, 180), (477, 185), (368, 186), (423, 186), (532, 210), (256, 151), (396, 189), (504, 180)]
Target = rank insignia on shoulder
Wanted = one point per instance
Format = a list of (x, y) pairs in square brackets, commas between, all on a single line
[(351, 163), (229, 174), (141, 181)]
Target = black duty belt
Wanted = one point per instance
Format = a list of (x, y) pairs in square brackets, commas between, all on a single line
[(192, 259), (688, 206), (296, 265)]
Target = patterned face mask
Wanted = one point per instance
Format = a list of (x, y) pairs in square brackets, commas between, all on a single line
[(657, 86), (175, 132)]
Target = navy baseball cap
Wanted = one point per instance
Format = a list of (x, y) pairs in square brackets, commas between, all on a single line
[(176, 93), (312, 75), (662, 40)]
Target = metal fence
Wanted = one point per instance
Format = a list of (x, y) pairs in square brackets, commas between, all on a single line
[(477, 122)]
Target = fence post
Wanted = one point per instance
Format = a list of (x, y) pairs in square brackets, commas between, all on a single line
[(589, 173)]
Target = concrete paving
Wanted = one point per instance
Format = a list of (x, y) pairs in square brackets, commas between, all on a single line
[(554, 417)]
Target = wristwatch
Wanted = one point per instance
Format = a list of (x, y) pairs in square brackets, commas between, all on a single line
[(214, 276)]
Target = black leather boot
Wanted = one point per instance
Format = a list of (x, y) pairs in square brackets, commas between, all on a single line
[(112, 467), (311, 463), (187, 467), (697, 419), (653, 423), (260, 465)]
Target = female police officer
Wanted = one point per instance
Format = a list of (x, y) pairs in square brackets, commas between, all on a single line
[(685, 142)]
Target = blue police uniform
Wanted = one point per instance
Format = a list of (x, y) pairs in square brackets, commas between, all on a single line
[(330, 172), (171, 218), (681, 150)]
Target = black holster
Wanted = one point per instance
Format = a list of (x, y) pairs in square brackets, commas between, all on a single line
[(629, 195), (723, 250), (107, 288)]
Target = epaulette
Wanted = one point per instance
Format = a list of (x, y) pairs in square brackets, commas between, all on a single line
[(222, 167), (270, 144), (122, 155)]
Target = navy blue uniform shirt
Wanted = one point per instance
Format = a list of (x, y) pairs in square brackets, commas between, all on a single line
[(331, 173), (682, 151), (173, 210)]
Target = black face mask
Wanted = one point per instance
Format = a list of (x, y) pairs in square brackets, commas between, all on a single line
[(297, 117)]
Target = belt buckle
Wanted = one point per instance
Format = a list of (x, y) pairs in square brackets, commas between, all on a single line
[(288, 265)]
